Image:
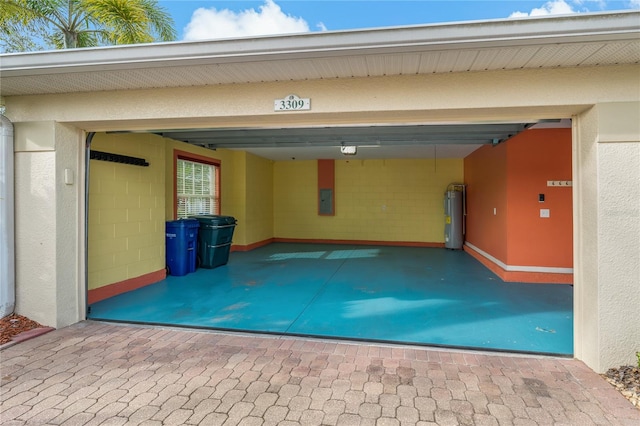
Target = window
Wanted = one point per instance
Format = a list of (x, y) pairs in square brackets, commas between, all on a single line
[(197, 185)]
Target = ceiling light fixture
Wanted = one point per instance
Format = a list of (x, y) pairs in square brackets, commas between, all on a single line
[(348, 149)]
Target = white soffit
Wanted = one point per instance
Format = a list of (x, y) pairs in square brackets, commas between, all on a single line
[(561, 41)]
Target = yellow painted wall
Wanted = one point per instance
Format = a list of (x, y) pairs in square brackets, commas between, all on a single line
[(232, 201), (295, 209), (234, 194), (126, 210), (259, 199), (376, 200), (246, 189), (129, 205), (228, 202)]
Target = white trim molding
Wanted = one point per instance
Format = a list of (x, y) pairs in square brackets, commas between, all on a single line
[(516, 268)]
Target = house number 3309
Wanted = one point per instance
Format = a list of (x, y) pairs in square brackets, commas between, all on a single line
[(292, 103)]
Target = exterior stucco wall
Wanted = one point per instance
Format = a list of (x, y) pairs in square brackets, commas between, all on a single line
[(36, 235), (619, 251), (607, 232), (49, 223), (69, 224), (585, 225), (499, 95)]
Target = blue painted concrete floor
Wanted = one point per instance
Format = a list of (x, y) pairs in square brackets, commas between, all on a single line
[(428, 296)]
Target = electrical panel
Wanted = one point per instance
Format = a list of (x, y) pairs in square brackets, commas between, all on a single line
[(325, 203)]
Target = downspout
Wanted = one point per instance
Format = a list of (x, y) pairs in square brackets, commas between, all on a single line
[(7, 220), (87, 157)]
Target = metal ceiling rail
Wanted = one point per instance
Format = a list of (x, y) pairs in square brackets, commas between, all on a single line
[(358, 135)]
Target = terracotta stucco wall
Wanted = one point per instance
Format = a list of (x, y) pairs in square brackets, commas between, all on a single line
[(485, 173), (533, 158), (509, 178)]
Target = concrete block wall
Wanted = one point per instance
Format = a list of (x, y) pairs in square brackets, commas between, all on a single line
[(258, 199), (376, 200), (126, 210), (295, 209)]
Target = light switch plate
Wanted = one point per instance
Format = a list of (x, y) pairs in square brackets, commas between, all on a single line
[(68, 177), (544, 213)]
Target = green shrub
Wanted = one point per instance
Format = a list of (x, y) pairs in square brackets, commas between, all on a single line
[(638, 356)]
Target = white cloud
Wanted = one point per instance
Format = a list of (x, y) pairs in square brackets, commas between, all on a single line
[(552, 7), (269, 19), (599, 4)]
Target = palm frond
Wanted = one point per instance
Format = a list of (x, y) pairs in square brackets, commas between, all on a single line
[(82, 23), (132, 21), (16, 37), (160, 21)]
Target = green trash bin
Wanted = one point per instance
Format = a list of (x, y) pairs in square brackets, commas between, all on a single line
[(214, 239)]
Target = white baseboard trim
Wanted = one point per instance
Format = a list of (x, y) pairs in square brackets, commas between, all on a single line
[(515, 268)]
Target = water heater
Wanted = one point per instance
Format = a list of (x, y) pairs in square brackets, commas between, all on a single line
[(454, 216)]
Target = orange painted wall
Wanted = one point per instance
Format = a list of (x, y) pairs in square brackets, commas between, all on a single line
[(485, 173), (535, 157), (509, 177)]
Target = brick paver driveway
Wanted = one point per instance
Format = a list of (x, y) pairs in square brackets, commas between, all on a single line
[(107, 374)]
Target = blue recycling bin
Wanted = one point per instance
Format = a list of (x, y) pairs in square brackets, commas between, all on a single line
[(181, 244)]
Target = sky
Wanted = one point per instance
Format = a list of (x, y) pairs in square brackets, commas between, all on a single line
[(208, 19)]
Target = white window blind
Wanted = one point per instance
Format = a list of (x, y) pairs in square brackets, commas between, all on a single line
[(196, 189)]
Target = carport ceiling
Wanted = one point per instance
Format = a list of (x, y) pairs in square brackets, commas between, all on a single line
[(410, 141)]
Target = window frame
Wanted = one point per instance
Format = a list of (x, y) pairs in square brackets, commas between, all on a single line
[(195, 158)]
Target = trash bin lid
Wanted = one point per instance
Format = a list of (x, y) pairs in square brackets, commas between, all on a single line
[(215, 220), (182, 223)]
